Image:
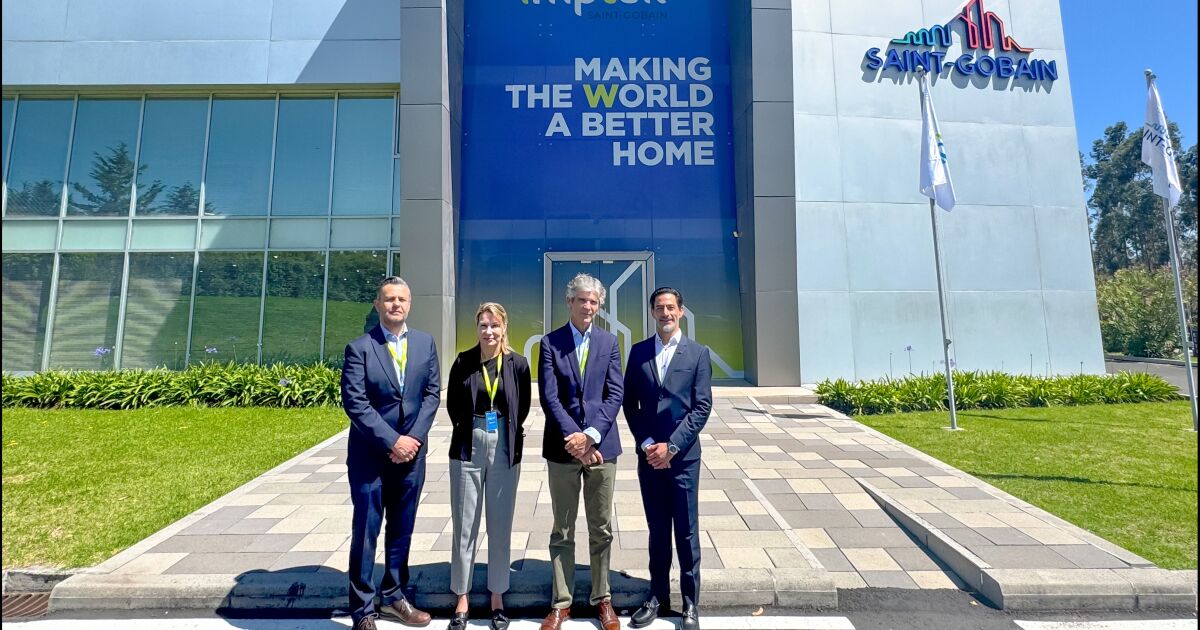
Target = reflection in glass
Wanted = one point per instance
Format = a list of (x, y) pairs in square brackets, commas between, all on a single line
[(302, 153), (156, 310), (362, 167), (353, 277), (5, 127), (39, 155), (172, 155), (26, 304), (292, 323), (102, 154), (228, 298), (239, 156), (86, 311)]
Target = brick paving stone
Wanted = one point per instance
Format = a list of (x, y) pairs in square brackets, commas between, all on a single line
[(966, 536), (1089, 557), (716, 508), (1005, 536), (821, 502), (819, 518), (760, 522), (859, 537), (847, 580), (913, 559), (873, 518), (932, 579), (833, 559), (251, 526), (275, 542), (784, 502), (970, 493), (1015, 557), (744, 558), (870, 559), (888, 579), (1052, 536), (300, 561), (913, 482), (221, 563)]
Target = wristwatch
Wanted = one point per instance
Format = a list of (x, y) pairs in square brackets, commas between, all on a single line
[(672, 449)]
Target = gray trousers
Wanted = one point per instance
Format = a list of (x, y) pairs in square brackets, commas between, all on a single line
[(485, 481)]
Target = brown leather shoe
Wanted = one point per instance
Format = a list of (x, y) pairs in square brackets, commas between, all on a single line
[(555, 619), (366, 623), (403, 611), (608, 616)]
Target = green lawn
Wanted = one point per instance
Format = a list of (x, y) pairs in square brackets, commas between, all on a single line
[(1125, 472), (81, 485)]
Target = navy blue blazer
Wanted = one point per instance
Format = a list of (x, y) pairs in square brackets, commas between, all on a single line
[(572, 405), (674, 410), (371, 395)]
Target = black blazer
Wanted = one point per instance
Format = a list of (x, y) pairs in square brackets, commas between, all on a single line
[(464, 387)]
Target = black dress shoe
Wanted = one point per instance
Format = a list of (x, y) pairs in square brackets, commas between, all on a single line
[(691, 618), (499, 619), (458, 622), (645, 615)]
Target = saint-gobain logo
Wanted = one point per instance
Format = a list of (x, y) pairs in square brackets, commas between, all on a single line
[(579, 4)]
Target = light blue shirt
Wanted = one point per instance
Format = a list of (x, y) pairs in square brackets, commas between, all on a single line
[(400, 346), (583, 343)]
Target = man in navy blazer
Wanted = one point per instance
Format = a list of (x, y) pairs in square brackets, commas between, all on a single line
[(390, 390), (579, 381), (668, 396)]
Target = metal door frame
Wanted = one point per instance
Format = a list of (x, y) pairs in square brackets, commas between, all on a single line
[(548, 292)]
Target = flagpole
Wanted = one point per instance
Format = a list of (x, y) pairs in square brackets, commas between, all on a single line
[(937, 263), (1175, 266)]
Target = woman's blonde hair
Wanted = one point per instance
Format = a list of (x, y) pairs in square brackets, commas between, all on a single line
[(499, 313)]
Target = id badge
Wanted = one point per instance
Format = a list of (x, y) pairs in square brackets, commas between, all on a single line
[(493, 421)]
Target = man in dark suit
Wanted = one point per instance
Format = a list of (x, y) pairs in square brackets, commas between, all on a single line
[(579, 378), (390, 390), (668, 396)]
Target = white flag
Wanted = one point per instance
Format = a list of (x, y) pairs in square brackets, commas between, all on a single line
[(935, 173), (1157, 151)]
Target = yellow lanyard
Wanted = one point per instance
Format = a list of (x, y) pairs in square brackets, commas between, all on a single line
[(401, 360), (491, 386), (583, 358)]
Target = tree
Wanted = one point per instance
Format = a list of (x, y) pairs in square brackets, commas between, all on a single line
[(113, 177), (1126, 215), (39, 198)]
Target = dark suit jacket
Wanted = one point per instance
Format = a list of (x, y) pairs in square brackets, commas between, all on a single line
[(463, 390), (371, 396), (674, 410), (572, 404)]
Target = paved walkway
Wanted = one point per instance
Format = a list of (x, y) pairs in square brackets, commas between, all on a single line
[(795, 501)]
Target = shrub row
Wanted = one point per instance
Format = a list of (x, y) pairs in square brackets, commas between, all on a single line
[(991, 390), (204, 385)]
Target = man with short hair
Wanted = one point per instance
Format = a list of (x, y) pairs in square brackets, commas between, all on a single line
[(390, 391), (668, 396), (579, 378)]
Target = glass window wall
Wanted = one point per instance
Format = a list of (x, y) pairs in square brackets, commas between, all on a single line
[(362, 172), (86, 309), (100, 179), (228, 301), (171, 159), (156, 310), (349, 312), (239, 156), (302, 154), (26, 304), (188, 147), (292, 319), (39, 156)]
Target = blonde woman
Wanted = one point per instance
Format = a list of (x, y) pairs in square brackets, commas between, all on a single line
[(487, 397)]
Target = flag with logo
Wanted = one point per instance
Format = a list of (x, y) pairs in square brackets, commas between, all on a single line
[(935, 172), (1157, 151)]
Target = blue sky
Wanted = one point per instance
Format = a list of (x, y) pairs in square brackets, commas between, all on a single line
[(1110, 43)]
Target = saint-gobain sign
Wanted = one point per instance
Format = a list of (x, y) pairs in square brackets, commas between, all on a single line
[(982, 32)]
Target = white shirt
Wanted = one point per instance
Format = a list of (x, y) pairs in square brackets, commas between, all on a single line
[(399, 344), (583, 343), (663, 353)]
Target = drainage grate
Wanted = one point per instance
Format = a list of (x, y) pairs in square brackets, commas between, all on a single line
[(25, 605)]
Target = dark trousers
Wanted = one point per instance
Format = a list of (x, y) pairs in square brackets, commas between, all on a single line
[(670, 498), (388, 491)]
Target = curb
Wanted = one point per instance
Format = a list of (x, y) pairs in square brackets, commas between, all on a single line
[(1137, 588), (34, 579), (1128, 359), (327, 590)]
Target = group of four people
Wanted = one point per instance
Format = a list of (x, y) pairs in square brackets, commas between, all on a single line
[(391, 392)]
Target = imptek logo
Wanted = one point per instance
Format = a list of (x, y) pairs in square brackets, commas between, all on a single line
[(579, 4)]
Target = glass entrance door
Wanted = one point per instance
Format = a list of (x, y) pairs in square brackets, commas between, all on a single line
[(627, 276)]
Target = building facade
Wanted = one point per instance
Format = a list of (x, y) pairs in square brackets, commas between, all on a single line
[(220, 180)]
